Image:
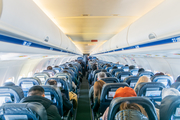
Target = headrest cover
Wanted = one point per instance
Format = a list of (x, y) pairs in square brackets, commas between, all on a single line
[(8, 84)]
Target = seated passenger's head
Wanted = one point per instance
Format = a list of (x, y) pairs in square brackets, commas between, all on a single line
[(125, 92), (142, 79), (178, 79), (169, 91), (36, 90), (131, 67), (8, 84), (159, 73), (115, 67), (98, 88), (70, 65), (127, 107), (52, 82), (94, 67), (49, 68), (101, 75), (141, 70), (103, 70), (108, 65)]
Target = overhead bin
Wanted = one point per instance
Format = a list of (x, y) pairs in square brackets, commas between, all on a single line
[(24, 19), (159, 23)]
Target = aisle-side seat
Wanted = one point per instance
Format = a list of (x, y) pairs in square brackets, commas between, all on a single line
[(134, 71), (176, 85), (113, 71), (144, 102), (62, 84), (107, 94), (166, 80), (23, 111), (131, 80), (10, 94), (170, 108), (125, 68), (152, 90), (27, 82), (51, 72), (43, 76)]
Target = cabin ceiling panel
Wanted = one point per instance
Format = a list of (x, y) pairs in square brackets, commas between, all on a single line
[(102, 19)]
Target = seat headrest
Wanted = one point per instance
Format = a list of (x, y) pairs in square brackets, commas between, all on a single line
[(176, 85), (166, 80), (131, 80), (33, 110), (169, 107), (110, 80), (146, 73), (144, 102), (123, 75)]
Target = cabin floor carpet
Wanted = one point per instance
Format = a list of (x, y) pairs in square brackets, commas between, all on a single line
[(83, 110)]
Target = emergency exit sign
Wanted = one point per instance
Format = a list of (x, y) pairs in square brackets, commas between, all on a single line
[(94, 40)]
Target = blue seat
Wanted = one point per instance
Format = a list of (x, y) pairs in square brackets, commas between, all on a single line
[(53, 93), (62, 83), (151, 90), (51, 72), (23, 111), (169, 108), (144, 102), (43, 76), (131, 80), (10, 94), (122, 75), (107, 94), (109, 68), (176, 85), (57, 69), (113, 71), (166, 80), (27, 82), (110, 80), (125, 68), (134, 71), (146, 73)]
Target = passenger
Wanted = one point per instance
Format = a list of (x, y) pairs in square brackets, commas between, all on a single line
[(131, 67), (97, 94), (9, 84), (120, 92), (101, 75), (36, 94), (141, 70), (115, 67), (178, 79), (49, 68), (159, 73), (142, 79), (66, 103), (166, 92), (131, 111)]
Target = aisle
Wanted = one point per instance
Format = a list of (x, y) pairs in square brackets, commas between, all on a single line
[(83, 110)]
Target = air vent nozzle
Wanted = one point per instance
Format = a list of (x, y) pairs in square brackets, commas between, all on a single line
[(152, 36)]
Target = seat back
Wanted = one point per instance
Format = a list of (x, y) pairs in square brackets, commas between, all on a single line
[(109, 68), (166, 80), (131, 80), (57, 69), (53, 93), (107, 94), (125, 68), (10, 94), (43, 76), (144, 102), (151, 90), (122, 75), (110, 80), (134, 71), (23, 111), (176, 85), (113, 71), (51, 72), (63, 84), (170, 108), (146, 73), (66, 77), (27, 82)]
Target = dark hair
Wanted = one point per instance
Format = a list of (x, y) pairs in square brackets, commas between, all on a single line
[(115, 67), (65, 71), (49, 68), (103, 70), (126, 65), (52, 82), (160, 73), (108, 65), (36, 90), (141, 70), (56, 66), (178, 79), (94, 67), (66, 68), (132, 67), (70, 65)]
